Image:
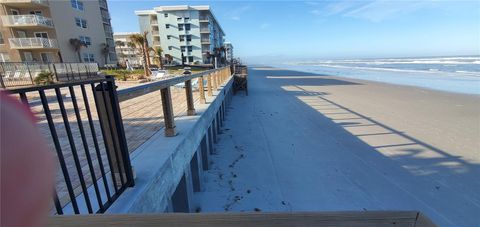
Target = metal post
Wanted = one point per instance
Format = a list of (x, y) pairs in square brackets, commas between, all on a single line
[(112, 88), (2, 74), (29, 73), (202, 90), (189, 94), (55, 72), (111, 122), (168, 112), (209, 85), (215, 85)]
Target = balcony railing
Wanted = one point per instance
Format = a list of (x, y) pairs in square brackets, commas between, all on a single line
[(205, 41), (33, 43), (204, 30), (23, 2), (26, 20), (103, 4), (155, 32), (203, 19)]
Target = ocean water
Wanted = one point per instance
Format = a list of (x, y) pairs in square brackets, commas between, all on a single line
[(453, 74)]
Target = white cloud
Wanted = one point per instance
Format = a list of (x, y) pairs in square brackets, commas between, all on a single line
[(264, 25), (380, 10), (373, 10), (237, 13), (316, 12)]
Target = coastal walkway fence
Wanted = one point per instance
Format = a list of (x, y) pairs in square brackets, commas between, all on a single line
[(314, 219), (15, 74), (84, 125)]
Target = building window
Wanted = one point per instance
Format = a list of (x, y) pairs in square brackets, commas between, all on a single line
[(4, 57), (88, 57), (36, 12), (76, 4), (190, 59), (179, 19), (189, 38), (180, 27), (187, 18), (169, 47), (187, 27), (182, 48), (167, 26), (189, 48), (2, 41), (86, 40), (166, 14), (80, 22), (169, 36), (182, 38)]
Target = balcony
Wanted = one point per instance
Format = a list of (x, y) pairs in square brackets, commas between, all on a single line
[(155, 32), (25, 3), (205, 41), (204, 19), (33, 43), (204, 30), (103, 4), (27, 21)]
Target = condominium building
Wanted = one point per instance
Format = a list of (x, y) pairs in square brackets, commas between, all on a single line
[(188, 33), (229, 51), (126, 52), (41, 30)]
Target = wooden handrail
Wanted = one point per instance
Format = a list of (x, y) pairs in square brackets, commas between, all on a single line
[(129, 93), (359, 218)]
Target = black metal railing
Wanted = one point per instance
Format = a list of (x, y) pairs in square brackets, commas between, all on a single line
[(15, 74), (83, 124), (85, 128)]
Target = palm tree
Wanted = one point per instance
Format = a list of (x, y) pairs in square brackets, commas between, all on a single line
[(224, 50), (169, 58), (146, 48), (139, 41), (77, 46), (158, 56), (217, 53), (208, 55), (120, 45), (105, 52)]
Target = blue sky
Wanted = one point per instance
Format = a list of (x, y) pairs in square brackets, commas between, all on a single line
[(280, 30)]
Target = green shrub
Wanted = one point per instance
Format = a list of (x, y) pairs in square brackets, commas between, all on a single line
[(122, 74), (44, 78)]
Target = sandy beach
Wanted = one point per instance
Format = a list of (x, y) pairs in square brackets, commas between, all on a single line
[(309, 142)]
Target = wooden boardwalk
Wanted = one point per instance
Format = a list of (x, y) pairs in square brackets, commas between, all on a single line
[(142, 117)]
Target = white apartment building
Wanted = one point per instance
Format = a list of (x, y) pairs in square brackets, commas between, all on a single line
[(188, 33), (40, 31), (124, 51)]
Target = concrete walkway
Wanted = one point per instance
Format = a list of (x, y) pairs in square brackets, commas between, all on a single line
[(306, 142)]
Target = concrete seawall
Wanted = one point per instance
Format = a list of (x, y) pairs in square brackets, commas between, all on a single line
[(168, 169)]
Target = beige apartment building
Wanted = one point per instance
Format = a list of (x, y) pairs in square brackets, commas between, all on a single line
[(41, 30), (124, 51)]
